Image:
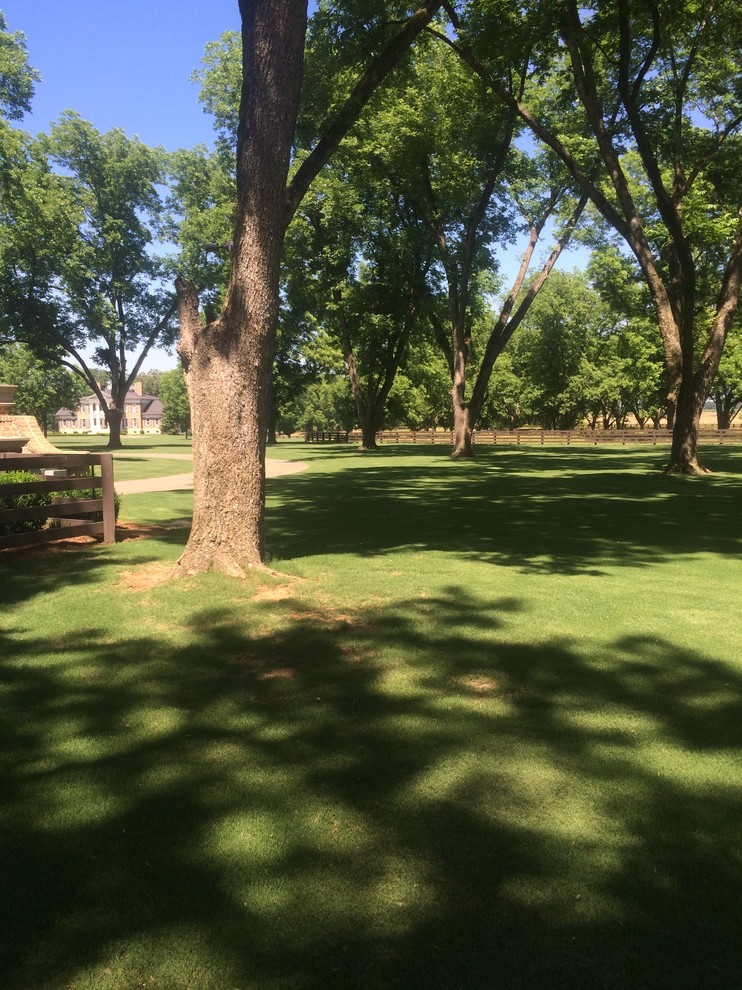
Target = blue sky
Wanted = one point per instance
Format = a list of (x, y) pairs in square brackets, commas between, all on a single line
[(122, 64)]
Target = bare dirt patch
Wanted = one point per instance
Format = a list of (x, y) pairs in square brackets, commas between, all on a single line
[(276, 593), (144, 577), (479, 685), (138, 531)]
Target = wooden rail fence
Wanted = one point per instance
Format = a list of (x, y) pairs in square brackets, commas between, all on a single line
[(79, 473), (531, 437), (327, 436)]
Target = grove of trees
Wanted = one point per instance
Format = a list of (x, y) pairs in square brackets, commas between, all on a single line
[(346, 253)]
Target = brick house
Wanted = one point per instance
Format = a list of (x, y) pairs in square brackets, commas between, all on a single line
[(142, 414)]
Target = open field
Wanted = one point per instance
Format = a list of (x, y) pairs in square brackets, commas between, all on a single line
[(483, 730), (150, 443)]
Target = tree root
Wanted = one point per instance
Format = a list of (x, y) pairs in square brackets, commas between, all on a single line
[(689, 470), (197, 562)]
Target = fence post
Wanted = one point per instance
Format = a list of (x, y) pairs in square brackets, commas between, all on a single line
[(109, 504)]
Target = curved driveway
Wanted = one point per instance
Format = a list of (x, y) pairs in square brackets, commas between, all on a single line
[(177, 482)]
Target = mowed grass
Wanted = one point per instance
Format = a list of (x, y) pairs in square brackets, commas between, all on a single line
[(132, 442), (138, 458), (481, 730)]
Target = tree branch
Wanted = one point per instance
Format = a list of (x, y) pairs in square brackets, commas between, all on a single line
[(374, 75)]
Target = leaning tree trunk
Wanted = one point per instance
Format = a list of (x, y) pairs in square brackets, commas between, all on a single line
[(228, 363)]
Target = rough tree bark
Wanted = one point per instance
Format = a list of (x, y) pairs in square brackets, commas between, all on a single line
[(227, 363)]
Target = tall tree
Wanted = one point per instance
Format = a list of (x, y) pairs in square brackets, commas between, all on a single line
[(652, 84), (17, 76), (92, 281), (450, 152), (176, 410), (227, 363), (727, 388), (358, 262), (550, 350)]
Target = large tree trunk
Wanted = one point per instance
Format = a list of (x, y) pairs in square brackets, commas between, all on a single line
[(369, 428), (463, 443), (462, 413), (684, 450), (229, 399), (228, 363)]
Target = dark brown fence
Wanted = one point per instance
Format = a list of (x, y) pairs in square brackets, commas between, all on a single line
[(327, 436), (72, 472), (531, 436)]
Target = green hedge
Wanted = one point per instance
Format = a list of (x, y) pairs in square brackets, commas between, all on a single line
[(23, 501), (95, 493)]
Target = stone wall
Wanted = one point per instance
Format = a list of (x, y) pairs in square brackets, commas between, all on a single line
[(27, 426)]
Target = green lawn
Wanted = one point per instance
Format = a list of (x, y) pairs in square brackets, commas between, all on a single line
[(96, 442), (127, 464), (482, 731)]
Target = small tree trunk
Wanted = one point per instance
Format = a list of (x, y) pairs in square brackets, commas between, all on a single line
[(723, 413), (272, 426), (113, 418)]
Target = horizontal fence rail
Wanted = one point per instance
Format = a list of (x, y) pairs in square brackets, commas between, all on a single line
[(74, 472), (530, 436), (327, 436)]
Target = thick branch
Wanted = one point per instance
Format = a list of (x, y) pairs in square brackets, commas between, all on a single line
[(372, 78), (190, 321)]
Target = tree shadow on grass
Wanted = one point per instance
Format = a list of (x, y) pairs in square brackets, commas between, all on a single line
[(37, 571), (547, 510), (367, 800)]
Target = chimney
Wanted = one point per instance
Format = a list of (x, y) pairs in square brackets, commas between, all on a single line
[(137, 388)]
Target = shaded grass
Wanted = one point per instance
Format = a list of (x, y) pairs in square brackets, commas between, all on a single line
[(415, 760), (550, 509)]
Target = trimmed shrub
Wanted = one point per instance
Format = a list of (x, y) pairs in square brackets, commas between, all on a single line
[(22, 501), (95, 493)]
